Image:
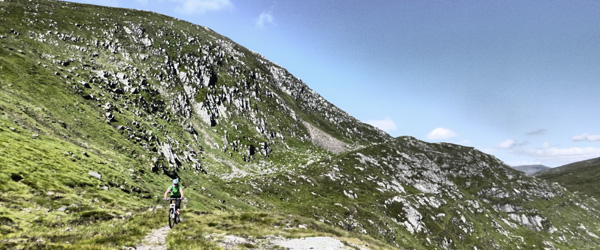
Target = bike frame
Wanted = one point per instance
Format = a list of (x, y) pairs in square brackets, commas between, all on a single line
[(173, 217)]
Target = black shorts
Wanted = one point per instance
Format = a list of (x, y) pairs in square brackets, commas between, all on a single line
[(177, 202)]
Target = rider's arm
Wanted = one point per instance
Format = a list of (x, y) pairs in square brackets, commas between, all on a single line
[(165, 196), (181, 190)]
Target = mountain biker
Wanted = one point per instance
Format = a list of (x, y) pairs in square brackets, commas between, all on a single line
[(176, 191)]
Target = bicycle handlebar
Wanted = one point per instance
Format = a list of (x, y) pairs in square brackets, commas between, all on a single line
[(168, 199)]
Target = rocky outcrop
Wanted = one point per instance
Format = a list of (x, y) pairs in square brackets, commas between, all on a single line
[(325, 140)]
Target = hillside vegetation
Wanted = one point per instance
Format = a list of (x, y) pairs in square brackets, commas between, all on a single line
[(580, 176), (101, 107)]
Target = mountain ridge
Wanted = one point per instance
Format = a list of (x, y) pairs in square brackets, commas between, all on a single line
[(98, 111), (531, 169)]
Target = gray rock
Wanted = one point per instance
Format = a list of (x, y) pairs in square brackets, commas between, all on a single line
[(109, 117), (166, 149), (85, 84), (95, 175)]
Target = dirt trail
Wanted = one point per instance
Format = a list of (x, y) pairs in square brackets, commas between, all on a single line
[(155, 240)]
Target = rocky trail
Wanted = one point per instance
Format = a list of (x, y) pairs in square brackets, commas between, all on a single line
[(155, 240), (313, 243), (231, 242)]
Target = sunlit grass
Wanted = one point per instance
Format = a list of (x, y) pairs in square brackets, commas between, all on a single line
[(206, 230)]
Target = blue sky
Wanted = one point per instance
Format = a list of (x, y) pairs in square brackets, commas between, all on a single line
[(516, 79)]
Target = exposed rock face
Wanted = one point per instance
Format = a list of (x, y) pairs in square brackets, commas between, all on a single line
[(325, 140), (168, 153), (419, 186)]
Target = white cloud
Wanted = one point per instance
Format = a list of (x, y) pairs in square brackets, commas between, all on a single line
[(387, 124), (558, 154), (441, 134), (200, 6), (507, 144), (511, 143), (264, 19), (548, 154), (586, 137)]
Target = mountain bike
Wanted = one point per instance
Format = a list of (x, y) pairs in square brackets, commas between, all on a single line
[(173, 216)]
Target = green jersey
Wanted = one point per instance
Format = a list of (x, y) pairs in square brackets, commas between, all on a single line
[(176, 190)]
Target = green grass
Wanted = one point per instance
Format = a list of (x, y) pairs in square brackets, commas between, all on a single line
[(49, 200), (109, 234), (204, 230)]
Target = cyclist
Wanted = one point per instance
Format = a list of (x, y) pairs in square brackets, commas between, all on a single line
[(176, 191)]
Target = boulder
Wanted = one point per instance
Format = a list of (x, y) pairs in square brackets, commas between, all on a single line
[(95, 175)]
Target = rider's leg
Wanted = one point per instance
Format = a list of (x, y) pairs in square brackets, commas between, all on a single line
[(172, 202)]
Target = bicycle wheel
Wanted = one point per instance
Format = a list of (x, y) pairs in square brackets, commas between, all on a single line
[(171, 218)]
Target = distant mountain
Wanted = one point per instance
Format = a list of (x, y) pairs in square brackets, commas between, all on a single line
[(580, 176), (531, 169)]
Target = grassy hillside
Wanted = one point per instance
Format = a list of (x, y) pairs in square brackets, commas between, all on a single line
[(580, 176), (101, 107), (85, 117)]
